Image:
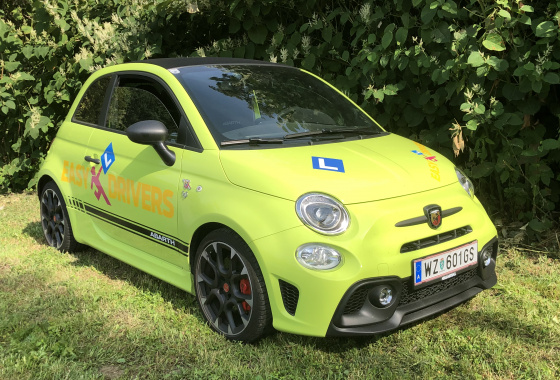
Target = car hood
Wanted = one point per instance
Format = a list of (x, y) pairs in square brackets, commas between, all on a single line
[(356, 171)]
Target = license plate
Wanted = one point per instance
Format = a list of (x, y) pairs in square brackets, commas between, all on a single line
[(446, 264)]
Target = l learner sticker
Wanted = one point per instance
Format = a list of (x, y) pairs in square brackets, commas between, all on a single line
[(330, 164)]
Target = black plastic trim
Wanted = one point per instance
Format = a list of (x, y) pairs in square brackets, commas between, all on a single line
[(423, 219)]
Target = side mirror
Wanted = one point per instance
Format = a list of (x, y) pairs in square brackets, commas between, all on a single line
[(154, 133)]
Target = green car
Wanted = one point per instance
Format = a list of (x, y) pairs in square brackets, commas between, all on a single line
[(268, 194)]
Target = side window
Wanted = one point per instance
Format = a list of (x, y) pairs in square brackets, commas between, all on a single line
[(90, 106), (137, 99)]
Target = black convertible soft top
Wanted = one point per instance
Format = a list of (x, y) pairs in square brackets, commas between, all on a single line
[(169, 63)]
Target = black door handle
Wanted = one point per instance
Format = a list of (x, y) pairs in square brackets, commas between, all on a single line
[(96, 161)]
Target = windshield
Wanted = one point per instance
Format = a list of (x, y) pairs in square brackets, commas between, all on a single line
[(269, 102)]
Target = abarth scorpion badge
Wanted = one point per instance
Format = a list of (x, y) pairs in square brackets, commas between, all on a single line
[(433, 213)]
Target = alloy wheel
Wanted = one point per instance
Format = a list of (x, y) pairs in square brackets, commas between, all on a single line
[(224, 288)]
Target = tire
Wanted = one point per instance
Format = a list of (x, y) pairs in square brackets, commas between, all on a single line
[(55, 220), (230, 288)]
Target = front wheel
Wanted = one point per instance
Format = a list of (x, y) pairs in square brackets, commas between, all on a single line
[(230, 288), (55, 220)]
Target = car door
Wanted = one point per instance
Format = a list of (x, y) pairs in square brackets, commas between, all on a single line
[(134, 193)]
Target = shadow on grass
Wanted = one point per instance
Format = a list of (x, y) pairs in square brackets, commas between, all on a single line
[(35, 231)]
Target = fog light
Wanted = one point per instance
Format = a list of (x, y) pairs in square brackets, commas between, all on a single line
[(319, 257), (486, 257), (382, 296)]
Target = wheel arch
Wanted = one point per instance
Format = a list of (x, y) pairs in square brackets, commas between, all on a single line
[(42, 182), (199, 235)]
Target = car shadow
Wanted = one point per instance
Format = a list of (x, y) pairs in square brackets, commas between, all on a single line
[(35, 231)]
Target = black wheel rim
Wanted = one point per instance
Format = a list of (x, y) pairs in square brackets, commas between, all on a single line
[(224, 288), (52, 218)]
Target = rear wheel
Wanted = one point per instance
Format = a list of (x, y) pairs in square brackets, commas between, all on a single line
[(55, 220), (230, 288)]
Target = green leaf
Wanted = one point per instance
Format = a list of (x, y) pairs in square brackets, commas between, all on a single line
[(327, 34), (86, 63), (390, 89), (538, 226), (537, 86), (25, 76), (545, 29), (379, 95), (475, 59), (505, 14), (27, 51), (497, 63), (479, 108), (550, 144), (450, 6), (308, 62), (494, 42), (10, 104), (472, 125), (42, 51), (482, 170), (387, 39), (465, 107), (401, 35), (551, 78), (428, 13), (504, 176), (526, 8), (11, 66), (234, 26), (258, 33)]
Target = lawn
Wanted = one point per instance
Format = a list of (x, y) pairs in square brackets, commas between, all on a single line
[(86, 315)]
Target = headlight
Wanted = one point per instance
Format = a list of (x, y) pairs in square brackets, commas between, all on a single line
[(465, 182), (317, 256), (322, 213)]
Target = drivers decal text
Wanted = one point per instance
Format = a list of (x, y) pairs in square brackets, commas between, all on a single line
[(116, 188)]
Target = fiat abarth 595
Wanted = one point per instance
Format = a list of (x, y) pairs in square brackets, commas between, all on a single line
[(268, 194)]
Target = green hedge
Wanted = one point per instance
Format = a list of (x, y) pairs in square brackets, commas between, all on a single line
[(475, 80)]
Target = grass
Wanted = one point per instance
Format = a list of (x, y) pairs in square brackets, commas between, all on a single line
[(87, 315)]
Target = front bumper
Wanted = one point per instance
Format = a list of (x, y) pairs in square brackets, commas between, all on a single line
[(357, 315)]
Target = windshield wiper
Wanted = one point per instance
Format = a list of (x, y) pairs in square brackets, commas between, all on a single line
[(252, 141), (359, 131)]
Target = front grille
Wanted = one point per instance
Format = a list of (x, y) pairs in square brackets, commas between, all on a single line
[(290, 296), (356, 301), (435, 239), (410, 295)]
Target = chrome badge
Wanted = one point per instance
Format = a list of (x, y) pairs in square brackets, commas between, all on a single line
[(434, 216)]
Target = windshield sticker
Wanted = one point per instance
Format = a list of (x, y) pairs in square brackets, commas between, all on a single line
[(330, 164), (432, 161), (107, 158), (174, 71)]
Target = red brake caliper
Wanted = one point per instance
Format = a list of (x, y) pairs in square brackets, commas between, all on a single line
[(245, 288)]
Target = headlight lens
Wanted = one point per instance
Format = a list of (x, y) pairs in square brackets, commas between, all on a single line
[(318, 257), (465, 182), (322, 213)]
